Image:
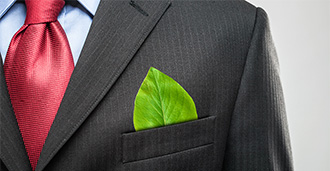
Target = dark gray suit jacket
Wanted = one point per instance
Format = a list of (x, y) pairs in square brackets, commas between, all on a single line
[(221, 52)]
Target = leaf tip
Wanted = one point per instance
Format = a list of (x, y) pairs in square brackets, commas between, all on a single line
[(153, 69)]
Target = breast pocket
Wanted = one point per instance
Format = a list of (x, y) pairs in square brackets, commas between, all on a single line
[(184, 146)]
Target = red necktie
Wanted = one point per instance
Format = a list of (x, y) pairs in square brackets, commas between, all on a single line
[(37, 68)]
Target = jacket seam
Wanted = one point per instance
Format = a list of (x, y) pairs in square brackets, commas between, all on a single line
[(240, 84)]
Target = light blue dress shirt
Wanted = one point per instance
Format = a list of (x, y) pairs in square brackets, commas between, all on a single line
[(75, 18)]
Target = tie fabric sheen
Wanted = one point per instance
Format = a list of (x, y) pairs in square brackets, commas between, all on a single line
[(37, 69)]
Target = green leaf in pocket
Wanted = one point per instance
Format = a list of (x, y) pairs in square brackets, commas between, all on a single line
[(161, 101)]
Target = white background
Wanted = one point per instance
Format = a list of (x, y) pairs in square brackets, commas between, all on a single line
[(300, 31)]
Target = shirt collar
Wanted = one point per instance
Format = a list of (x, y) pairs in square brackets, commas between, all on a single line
[(5, 6), (89, 5)]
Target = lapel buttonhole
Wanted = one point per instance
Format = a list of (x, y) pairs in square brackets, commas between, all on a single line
[(138, 8)]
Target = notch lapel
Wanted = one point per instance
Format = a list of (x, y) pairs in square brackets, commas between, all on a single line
[(12, 150), (117, 32)]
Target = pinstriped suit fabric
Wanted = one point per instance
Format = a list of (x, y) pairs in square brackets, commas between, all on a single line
[(258, 138), (16, 150), (221, 52)]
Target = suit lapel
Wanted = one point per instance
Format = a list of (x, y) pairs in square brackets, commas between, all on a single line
[(118, 30), (12, 153)]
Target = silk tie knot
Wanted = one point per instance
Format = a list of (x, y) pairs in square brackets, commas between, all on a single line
[(42, 11)]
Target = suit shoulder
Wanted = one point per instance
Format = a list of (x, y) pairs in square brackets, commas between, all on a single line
[(217, 8), (234, 14), (238, 6)]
